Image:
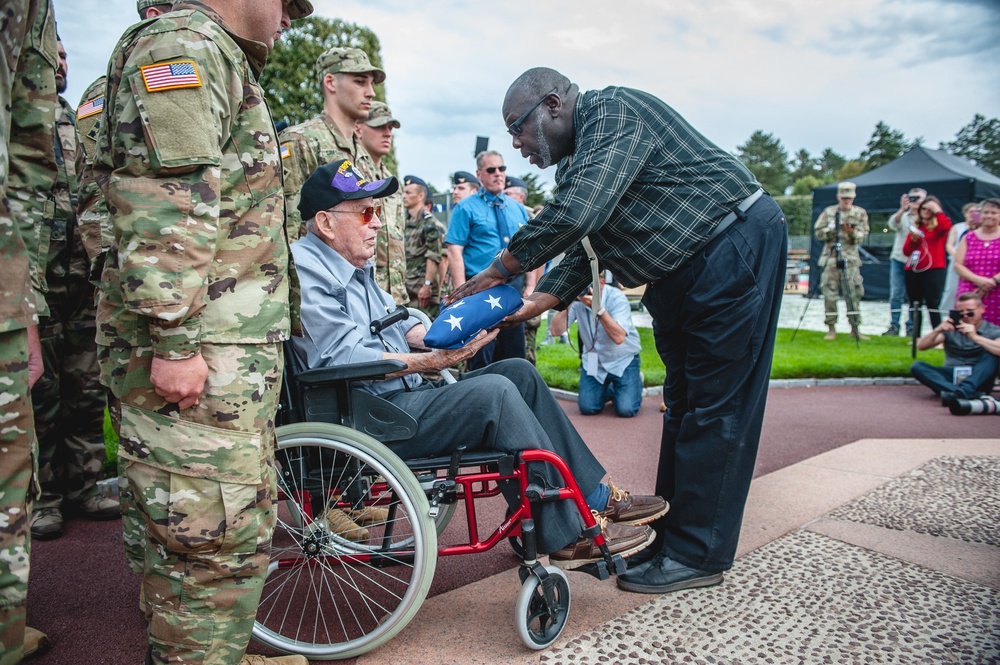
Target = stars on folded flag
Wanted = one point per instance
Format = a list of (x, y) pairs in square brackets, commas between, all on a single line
[(454, 321), (171, 76), (494, 301), (91, 107)]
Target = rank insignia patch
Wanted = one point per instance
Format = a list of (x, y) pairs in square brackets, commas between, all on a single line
[(171, 76)]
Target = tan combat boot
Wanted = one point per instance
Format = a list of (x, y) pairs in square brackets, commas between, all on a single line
[(35, 642), (830, 336), (857, 334)]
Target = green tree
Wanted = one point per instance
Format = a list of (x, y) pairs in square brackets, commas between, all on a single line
[(829, 163), (851, 169), (979, 142), (767, 159), (803, 165), (885, 145), (536, 195), (806, 184)]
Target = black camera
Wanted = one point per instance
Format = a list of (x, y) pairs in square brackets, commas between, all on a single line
[(955, 315), (913, 199)]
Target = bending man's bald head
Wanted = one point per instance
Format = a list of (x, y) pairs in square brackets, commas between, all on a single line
[(536, 82)]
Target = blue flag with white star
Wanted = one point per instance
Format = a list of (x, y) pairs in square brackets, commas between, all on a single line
[(458, 323)]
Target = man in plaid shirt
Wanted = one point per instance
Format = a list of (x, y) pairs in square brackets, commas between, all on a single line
[(662, 206)]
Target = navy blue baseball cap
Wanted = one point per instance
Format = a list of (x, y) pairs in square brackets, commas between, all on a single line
[(464, 176), (414, 180), (511, 181), (337, 182)]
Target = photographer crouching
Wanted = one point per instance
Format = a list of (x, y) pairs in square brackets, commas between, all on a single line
[(971, 350)]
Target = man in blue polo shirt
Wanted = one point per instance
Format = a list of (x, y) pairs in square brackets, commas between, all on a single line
[(481, 226)]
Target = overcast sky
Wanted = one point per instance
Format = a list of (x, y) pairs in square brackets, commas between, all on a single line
[(815, 73)]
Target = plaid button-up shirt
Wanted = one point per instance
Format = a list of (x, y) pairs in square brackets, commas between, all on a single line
[(642, 183)]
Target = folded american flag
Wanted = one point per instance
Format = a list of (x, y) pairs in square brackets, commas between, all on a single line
[(461, 321)]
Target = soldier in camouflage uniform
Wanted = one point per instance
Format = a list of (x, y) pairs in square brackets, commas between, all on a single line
[(192, 310), (390, 248), (68, 400), (853, 231), (27, 176), (424, 249), (347, 80)]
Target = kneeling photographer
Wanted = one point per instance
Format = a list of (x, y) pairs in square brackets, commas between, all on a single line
[(971, 350)]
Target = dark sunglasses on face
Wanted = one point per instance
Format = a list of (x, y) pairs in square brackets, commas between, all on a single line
[(967, 313), (367, 214), (493, 169), (515, 127)]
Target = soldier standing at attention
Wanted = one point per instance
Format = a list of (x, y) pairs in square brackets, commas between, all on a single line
[(390, 247), (347, 80), (68, 400), (27, 175), (853, 231), (424, 249), (464, 184), (193, 307)]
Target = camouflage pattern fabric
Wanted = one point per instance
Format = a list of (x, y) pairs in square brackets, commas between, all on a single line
[(199, 263), (93, 223), (32, 168), (424, 241), (17, 485), (27, 117), (853, 231), (68, 399), (304, 148), (202, 482), (390, 244)]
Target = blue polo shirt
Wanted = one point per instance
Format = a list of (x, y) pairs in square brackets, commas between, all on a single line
[(484, 224)]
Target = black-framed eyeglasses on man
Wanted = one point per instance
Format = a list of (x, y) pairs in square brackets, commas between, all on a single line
[(515, 127)]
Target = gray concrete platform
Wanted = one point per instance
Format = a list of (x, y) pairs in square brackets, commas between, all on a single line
[(881, 551)]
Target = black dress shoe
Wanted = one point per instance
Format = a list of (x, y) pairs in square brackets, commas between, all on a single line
[(663, 575), (947, 397), (642, 556)]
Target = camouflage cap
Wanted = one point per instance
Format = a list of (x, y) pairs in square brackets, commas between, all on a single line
[(846, 190), (348, 61), (299, 9), (379, 115)]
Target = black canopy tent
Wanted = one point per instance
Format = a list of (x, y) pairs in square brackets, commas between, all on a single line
[(952, 179)]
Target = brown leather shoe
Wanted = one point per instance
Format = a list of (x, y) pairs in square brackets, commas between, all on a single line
[(632, 509), (35, 642), (621, 540)]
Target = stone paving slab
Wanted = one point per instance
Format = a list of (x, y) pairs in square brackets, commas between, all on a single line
[(956, 497), (805, 598)]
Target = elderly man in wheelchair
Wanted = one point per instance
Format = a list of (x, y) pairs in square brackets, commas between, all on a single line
[(502, 407), (363, 563)]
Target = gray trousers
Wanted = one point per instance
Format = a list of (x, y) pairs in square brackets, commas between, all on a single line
[(506, 407)]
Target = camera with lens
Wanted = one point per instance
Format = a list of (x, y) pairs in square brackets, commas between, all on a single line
[(955, 315)]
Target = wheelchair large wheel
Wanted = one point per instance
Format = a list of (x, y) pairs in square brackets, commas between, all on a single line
[(331, 594), (538, 623)]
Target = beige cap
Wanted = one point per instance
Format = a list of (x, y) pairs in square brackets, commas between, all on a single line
[(379, 115), (846, 190), (299, 9), (343, 60)]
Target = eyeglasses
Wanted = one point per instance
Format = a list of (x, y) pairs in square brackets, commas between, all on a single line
[(515, 127), (967, 313), (493, 169), (367, 214)]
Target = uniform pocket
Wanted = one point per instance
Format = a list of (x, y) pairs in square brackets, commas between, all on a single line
[(190, 449)]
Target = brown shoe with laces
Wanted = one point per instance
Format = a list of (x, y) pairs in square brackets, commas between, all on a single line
[(621, 540), (632, 509), (253, 659)]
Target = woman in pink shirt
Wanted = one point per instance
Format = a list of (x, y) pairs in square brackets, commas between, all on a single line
[(977, 260)]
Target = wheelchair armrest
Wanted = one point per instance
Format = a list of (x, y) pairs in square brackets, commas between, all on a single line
[(375, 371)]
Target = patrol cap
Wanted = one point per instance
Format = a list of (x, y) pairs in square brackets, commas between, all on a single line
[(847, 190), (337, 182), (379, 115), (414, 180), (299, 9), (464, 176), (142, 5), (345, 60), (511, 181)]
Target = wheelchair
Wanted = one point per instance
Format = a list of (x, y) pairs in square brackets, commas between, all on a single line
[(330, 595)]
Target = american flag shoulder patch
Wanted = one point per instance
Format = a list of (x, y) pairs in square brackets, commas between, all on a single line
[(285, 151), (90, 107), (171, 76)]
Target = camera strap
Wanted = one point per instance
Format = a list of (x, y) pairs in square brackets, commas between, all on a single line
[(596, 300)]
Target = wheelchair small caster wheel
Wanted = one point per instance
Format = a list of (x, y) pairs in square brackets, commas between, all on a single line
[(539, 620)]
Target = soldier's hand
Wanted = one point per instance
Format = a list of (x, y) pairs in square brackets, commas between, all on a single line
[(179, 382), (904, 201), (424, 296), (35, 365)]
